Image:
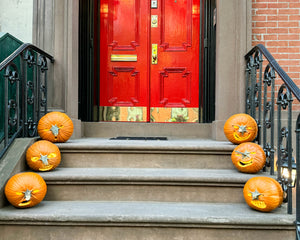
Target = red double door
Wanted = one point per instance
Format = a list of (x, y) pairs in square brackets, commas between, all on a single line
[(149, 60)]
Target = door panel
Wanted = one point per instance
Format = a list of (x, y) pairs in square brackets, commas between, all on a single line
[(176, 25), (175, 77), (124, 75), (149, 60)]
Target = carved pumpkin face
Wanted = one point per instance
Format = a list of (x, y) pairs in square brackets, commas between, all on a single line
[(25, 190), (263, 193), (43, 156), (55, 127), (248, 157), (240, 128)]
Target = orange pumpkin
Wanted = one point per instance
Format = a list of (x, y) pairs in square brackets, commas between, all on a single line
[(55, 127), (263, 193), (25, 190), (43, 156), (240, 128), (248, 157)]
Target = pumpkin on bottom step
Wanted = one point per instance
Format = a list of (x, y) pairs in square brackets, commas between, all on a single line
[(25, 190), (263, 193)]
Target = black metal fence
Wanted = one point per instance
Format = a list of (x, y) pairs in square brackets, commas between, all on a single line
[(270, 99), (23, 93)]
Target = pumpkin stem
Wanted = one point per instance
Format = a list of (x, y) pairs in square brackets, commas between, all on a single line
[(242, 129), (54, 129), (255, 195), (44, 159), (245, 154), (27, 195)]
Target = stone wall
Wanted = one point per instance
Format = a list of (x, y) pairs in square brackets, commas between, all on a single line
[(20, 26)]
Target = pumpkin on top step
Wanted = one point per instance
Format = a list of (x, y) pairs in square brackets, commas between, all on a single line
[(43, 156), (263, 193), (55, 127), (240, 128), (25, 190), (248, 157)]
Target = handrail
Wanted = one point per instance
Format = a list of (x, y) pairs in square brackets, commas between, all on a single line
[(21, 49), (23, 76), (287, 80), (262, 100)]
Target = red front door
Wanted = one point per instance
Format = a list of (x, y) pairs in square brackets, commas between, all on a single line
[(149, 60)]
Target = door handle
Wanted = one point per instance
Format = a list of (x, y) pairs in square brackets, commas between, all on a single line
[(154, 53)]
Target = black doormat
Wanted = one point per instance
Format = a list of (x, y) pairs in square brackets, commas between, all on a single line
[(139, 138)]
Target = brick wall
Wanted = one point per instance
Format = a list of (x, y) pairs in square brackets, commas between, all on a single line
[(276, 24)]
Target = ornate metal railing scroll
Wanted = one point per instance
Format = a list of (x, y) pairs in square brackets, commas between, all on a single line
[(23, 79), (264, 97)]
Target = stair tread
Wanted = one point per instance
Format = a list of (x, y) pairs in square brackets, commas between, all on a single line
[(172, 144), (96, 212), (124, 175)]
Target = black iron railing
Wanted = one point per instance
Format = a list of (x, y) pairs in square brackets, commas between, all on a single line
[(271, 105), (23, 93)]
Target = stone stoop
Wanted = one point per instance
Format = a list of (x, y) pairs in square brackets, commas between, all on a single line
[(123, 189)]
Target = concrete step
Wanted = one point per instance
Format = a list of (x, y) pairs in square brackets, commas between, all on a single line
[(173, 153), (143, 220), (170, 130), (140, 184)]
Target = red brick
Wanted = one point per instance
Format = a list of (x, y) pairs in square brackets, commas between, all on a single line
[(288, 24), (266, 24), (266, 12), (289, 50), (277, 30), (265, 1), (294, 5), (254, 43), (294, 75), (294, 43), (288, 62), (294, 69), (288, 11), (259, 18), (294, 30), (256, 37), (281, 56), (271, 37), (259, 30), (278, 43), (273, 50), (289, 37), (278, 5), (278, 18), (294, 56), (259, 5), (294, 18)]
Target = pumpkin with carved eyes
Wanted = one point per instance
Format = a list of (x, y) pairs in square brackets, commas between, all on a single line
[(263, 193), (248, 157), (25, 190), (240, 128), (55, 127), (43, 156)]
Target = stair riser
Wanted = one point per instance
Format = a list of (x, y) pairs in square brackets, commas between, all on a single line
[(152, 192), (170, 130), (145, 160), (32, 232)]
